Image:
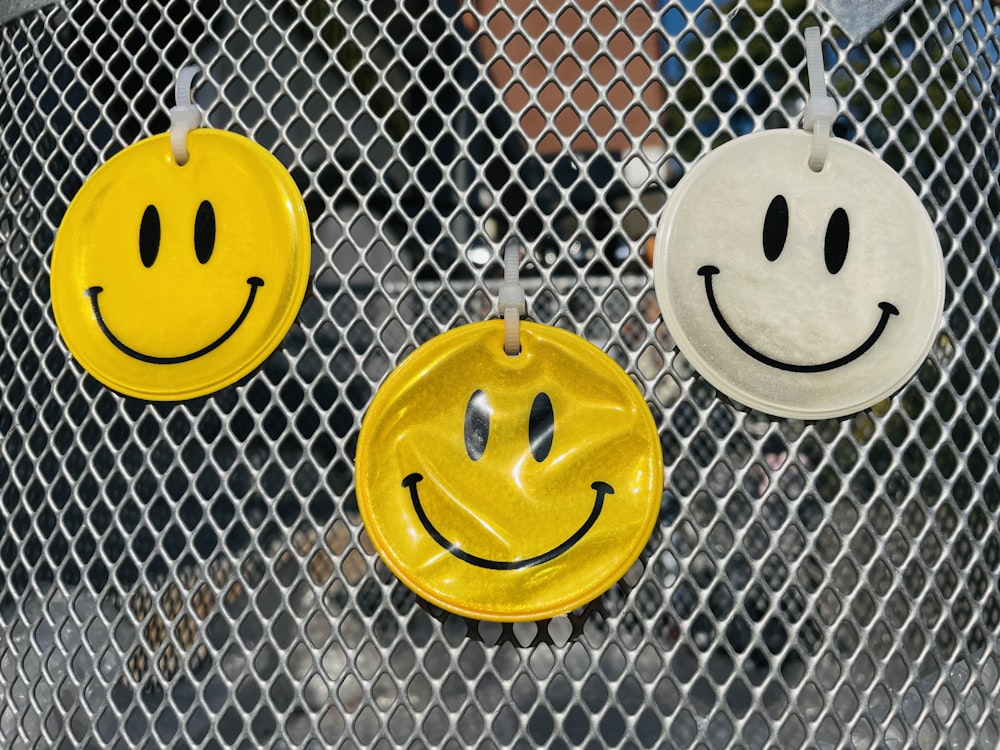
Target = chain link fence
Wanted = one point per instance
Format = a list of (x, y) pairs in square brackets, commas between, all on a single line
[(196, 574)]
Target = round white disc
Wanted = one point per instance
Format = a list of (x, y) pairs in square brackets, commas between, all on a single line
[(799, 293)]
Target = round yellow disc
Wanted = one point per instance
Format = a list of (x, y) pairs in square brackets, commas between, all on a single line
[(509, 488), (170, 282)]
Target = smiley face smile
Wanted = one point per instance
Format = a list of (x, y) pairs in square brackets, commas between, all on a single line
[(601, 488), (888, 310), (255, 282)]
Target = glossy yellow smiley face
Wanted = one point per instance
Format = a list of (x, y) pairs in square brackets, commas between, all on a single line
[(509, 488), (172, 281)]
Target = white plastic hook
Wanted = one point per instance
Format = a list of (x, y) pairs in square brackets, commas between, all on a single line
[(820, 109), (511, 302), (184, 115)]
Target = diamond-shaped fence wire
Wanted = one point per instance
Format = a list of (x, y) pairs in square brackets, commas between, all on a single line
[(197, 575)]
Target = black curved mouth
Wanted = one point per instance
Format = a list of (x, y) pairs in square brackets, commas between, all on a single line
[(601, 488), (888, 310), (92, 292)]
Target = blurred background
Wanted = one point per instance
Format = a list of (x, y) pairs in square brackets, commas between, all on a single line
[(196, 574)]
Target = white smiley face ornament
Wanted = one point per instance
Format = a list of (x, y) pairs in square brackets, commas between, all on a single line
[(801, 292)]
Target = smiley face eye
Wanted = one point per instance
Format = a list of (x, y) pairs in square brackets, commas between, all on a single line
[(775, 228), (204, 232), (838, 235), (541, 427), (477, 425), (149, 236)]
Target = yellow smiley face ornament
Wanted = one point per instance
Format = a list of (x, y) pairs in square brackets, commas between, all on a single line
[(172, 280), (509, 487)]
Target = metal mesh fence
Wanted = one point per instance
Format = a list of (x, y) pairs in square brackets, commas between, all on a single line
[(196, 575)]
